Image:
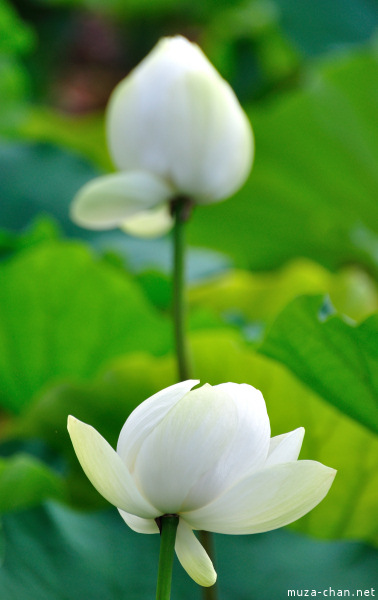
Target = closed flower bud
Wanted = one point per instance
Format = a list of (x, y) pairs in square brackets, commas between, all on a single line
[(175, 121), (205, 455)]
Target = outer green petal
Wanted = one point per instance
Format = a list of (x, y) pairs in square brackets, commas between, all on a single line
[(106, 202), (266, 500), (139, 525), (106, 470), (193, 556), (150, 223), (286, 447), (146, 417)]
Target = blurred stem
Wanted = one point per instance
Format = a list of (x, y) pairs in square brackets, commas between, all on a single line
[(168, 527), (181, 209)]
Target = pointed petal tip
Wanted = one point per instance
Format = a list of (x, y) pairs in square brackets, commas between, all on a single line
[(71, 421), (74, 423), (300, 433), (193, 381)]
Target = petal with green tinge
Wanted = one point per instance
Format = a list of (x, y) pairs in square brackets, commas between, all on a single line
[(193, 557), (138, 524), (106, 202), (150, 223), (106, 470)]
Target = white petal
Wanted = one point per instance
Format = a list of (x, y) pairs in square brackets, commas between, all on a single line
[(186, 444), (138, 112), (266, 500), (106, 202), (139, 525), (106, 470), (175, 116), (146, 417), (150, 223), (286, 447), (193, 556), (248, 448), (215, 148)]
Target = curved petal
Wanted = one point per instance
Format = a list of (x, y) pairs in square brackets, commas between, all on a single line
[(146, 417), (139, 525), (216, 144), (187, 443), (266, 500), (106, 470), (193, 557), (247, 449), (150, 223), (106, 202), (286, 447)]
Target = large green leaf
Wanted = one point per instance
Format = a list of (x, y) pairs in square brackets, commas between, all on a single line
[(63, 312), (96, 556), (26, 481), (337, 359), (314, 187)]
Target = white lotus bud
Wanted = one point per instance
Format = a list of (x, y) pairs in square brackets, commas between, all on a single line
[(175, 119), (205, 455)]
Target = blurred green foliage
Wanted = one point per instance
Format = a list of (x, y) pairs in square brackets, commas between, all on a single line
[(74, 313), (26, 481), (85, 322), (97, 556), (16, 40), (313, 190)]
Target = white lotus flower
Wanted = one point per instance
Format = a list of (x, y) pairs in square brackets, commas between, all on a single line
[(174, 128), (207, 456)]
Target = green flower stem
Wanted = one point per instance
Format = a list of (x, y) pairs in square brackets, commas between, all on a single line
[(181, 208), (168, 528)]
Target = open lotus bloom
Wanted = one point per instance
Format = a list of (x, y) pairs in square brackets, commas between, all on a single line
[(205, 455), (174, 128)]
